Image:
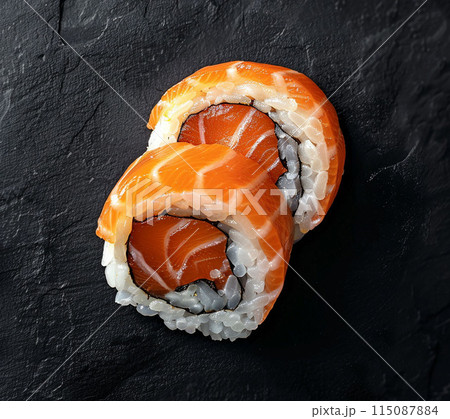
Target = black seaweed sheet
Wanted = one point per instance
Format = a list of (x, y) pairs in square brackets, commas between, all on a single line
[(381, 257)]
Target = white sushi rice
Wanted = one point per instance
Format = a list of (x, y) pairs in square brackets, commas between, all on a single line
[(231, 313), (305, 129)]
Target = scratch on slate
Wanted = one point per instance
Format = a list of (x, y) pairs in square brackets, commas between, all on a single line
[(435, 351), (6, 104), (105, 28), (88, 119), (395, 165), (60, 17)]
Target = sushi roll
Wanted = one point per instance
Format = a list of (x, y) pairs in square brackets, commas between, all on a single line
[(198, 235), (274, 116), (243, 159)]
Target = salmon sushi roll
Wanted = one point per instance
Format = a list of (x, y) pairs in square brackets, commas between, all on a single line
[(198, 235), (275, 116)]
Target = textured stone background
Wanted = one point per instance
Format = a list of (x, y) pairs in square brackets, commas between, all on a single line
[(381, 258)]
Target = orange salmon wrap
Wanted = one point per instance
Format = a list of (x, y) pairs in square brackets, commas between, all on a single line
[(292, 100), (214, 183)]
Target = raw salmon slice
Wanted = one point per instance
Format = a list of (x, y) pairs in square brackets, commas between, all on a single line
[(168, 252), (184, 168), (243, 128), (303, 100)]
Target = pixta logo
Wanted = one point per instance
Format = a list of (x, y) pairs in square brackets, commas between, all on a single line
[(148, 198), (346, 412)]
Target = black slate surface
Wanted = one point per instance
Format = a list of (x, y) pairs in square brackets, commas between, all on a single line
[(381, 257)]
